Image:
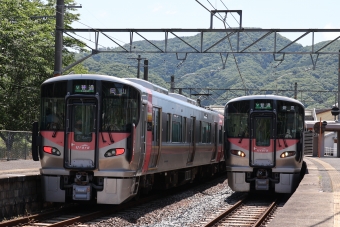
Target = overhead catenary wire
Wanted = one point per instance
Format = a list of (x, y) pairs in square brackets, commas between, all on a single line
[(228, 9), (224, 23), (89, 40), (244, 32)]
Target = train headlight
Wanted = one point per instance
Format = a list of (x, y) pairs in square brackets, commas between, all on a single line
[(51, 150), (114, 152), (238, 153), (287, 154)]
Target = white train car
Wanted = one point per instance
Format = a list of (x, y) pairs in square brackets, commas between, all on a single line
[(264, 143), (106, 139)]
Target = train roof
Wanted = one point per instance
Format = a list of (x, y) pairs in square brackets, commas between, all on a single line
[(148, 85), (83, 77), (136, 82), (277, 97), (217, 108)]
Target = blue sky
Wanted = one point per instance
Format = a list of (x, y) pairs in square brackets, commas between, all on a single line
[(190, 14)]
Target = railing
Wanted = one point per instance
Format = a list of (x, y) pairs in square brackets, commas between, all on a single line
[(308, 142), (330, 151), (15, 145)]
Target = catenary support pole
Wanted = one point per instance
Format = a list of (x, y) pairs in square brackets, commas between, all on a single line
[(338, 133), (59, 38), (146, 70)]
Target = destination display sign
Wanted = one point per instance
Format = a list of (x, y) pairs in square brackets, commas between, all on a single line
[(83, 88), (266, 105)]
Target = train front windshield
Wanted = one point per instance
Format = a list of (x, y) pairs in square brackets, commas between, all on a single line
[(119, 106), (237, 114), (289, 119), (290, 123)]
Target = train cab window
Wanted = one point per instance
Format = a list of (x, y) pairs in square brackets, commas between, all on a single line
[(83, 122), (290, 123), (120, 107), (262, 130), (53, 106), (236, 119)]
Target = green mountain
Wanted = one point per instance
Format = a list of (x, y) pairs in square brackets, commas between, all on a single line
[(253, 73)]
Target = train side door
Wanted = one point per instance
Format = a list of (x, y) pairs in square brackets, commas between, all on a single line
[(192, 145), (143, 127), (156, 137), (215, 139), (81, 133), (262, 145)]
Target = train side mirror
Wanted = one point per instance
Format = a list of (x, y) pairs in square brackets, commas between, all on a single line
[(335, 111), (35, 141)]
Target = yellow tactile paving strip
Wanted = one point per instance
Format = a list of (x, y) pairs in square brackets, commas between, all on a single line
[(335, 179)]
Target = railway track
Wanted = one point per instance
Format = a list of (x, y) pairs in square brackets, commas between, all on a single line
[(76, 214), (84, 214), (246, 212)]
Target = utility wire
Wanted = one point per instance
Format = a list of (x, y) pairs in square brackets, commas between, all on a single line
[(91, 40), (231, 14), (77, 21), (238, 69), (246, 34), (223, 20)]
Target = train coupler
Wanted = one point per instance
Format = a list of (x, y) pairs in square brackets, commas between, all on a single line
[(262, 181), (81, 192)]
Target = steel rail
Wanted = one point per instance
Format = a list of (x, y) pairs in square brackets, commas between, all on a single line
[(225, 213), (263, 217)]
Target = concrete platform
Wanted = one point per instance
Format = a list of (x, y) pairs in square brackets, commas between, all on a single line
[(15, 168), (316, 202)]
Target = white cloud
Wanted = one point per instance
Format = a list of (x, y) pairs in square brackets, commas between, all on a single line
[(103, 14), (172, 12), (157, 8)]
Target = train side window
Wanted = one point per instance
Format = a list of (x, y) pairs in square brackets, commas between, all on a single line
[(176, 128), (168, 127), (184, 129), (205, 132), (200, 134), (220, 135)]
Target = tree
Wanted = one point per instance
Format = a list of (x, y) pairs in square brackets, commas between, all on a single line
[(27, 58)]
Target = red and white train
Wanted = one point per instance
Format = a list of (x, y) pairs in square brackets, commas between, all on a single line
[(264, 143), (105, 139)]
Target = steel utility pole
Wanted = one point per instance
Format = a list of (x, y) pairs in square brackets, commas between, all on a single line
[(146, 70), (59, 38), (138, 66), (338, 133)]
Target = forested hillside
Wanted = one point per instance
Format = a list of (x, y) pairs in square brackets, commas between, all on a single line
[(252, 73)]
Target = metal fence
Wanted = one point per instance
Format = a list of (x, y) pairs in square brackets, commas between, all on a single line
[(15, 145), (330, 151)]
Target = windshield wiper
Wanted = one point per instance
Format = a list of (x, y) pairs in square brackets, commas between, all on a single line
[(56, 127), (242, 136), (110, 135), (104, 141), (284, 141)]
